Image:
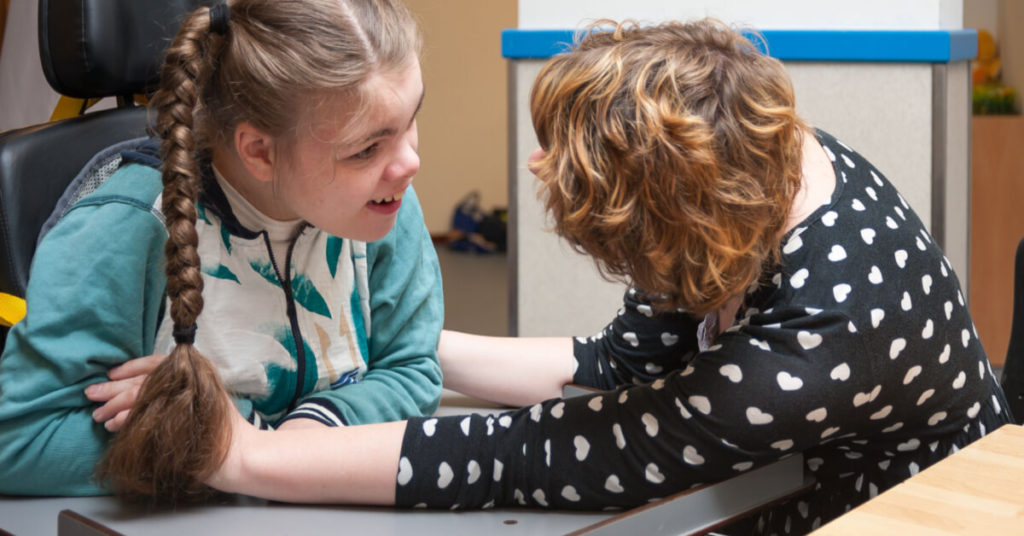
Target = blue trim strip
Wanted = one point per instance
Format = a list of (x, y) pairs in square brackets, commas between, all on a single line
[(916, 46), (537, 44)]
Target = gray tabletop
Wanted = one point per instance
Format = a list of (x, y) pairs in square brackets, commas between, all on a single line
[(38, 517)]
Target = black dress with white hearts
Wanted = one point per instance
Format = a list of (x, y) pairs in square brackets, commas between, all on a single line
[(858, 351)]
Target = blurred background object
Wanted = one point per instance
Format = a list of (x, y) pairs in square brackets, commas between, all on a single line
[(990, 96), (475, 229), (4, 6)]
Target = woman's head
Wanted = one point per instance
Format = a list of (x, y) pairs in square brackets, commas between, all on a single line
[(672, 156), (272, 67)]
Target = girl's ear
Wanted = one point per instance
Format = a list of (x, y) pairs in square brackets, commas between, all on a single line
[(255, 149)]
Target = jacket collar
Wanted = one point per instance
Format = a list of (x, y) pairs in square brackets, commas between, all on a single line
[(211, 196)]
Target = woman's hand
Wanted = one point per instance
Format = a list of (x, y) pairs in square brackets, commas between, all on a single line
[(339, 465), (119, 394), (230, 476)]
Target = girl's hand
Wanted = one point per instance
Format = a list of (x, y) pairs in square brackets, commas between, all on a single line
[(118, 394)]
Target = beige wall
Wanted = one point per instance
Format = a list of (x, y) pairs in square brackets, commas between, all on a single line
[(463, 125), (982, 15)]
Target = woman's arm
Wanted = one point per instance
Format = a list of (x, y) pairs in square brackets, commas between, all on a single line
[(350, 465), (639, 345), (508, 370)]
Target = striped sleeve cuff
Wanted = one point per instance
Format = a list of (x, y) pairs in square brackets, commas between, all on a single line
[(257, 421), (318, 409)]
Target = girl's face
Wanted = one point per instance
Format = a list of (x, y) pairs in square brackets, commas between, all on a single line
[(347, 177)]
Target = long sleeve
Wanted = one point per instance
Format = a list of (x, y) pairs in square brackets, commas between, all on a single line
[(638, 346), (94, 295), (403, 377)]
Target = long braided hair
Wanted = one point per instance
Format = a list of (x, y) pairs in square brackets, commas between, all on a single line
[(262, 62)]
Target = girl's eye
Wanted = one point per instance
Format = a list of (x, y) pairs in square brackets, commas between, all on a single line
[(366, 153)]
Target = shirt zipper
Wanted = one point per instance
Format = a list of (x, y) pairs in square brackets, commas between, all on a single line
[(286, 285)]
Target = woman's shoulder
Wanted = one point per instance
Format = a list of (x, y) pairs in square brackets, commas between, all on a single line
[(860, 186), (865, 216), (864, 251)]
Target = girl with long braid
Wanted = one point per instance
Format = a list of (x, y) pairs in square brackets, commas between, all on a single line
[(266, 241)]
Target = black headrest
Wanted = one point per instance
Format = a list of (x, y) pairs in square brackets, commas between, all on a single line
[(101, 48)]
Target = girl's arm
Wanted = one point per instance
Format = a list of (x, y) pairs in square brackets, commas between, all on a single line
[(406, 312), (93, 304), (508, 370)]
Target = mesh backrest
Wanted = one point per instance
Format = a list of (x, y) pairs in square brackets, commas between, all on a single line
[(90, 178)]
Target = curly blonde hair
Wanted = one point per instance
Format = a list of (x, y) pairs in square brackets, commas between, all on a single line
[(673, 155)]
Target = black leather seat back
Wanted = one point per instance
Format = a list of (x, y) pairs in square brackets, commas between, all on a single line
[(101, 48), (88, 49), (36, 165)]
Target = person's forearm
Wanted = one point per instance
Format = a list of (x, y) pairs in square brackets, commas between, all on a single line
[(350, 465), (508, 370)]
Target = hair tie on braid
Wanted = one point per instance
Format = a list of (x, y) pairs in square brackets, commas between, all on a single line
[(219, 17), (185, 335)]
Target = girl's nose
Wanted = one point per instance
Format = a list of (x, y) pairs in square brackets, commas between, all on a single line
[(406, 162)]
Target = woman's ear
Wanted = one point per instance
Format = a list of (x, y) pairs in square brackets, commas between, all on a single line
[(255, 149)]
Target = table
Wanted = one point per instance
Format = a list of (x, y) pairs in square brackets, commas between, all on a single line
[(978, 490), (693, 512), (254, 517)]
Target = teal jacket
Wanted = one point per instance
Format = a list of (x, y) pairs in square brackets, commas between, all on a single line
[(342, 332)]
